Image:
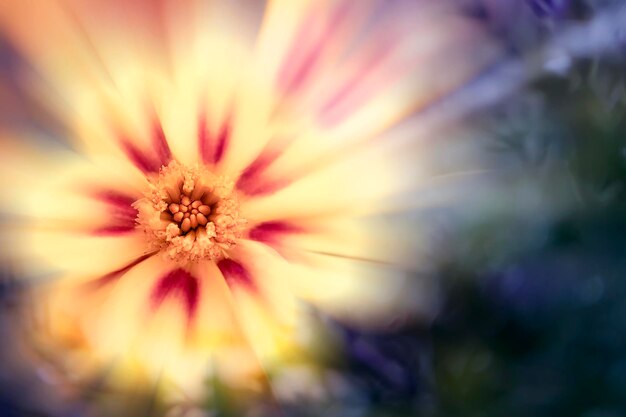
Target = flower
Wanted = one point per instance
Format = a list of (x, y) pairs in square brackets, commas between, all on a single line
[(226, 166)]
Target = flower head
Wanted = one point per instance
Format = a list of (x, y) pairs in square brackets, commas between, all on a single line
[(223, 168)]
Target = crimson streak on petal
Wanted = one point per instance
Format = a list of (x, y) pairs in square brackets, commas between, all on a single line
[(116, 199), (118, 273), (153, 159), (360, 87), (213, 147), (121, 214), (262, 187), (139, 158), (159, 142), (252, 177), (114, 230), (253, 182), (235, 274), (306, 49), (271, 232), (180, 283)]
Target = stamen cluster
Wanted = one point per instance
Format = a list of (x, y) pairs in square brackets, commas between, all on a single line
[(189, 213)]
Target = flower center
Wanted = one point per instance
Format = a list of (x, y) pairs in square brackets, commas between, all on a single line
[(189, 213)]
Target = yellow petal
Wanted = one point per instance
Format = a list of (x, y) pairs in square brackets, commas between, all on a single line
[(367, 294)]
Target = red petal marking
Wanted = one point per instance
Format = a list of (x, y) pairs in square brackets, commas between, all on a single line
[(262, 187), (271, 232), (114, 230), (203, 138), (212, 148), (177, 283), (118, 273), (122, 214), (307, 48), (139, 158), (235, 274), (356, 90), (251, 180), (153, 159), (251, 177), (256, 168), (223, 139), (115, 198), (159, 141)]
